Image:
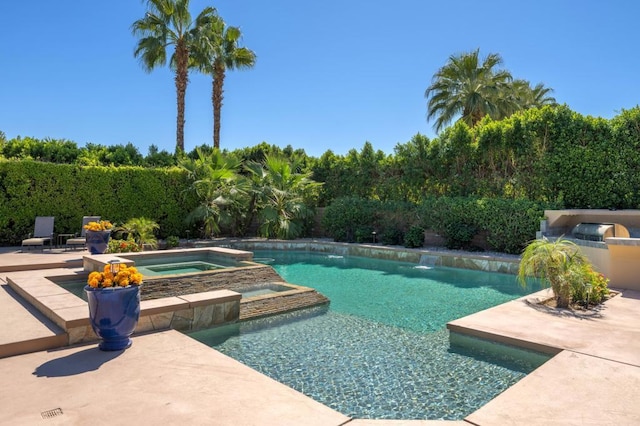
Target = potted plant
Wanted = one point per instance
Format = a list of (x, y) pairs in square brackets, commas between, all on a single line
[(97, 236), (114, 304)]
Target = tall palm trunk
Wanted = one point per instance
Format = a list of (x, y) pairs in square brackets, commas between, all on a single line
[(216, 98), (182, 78)]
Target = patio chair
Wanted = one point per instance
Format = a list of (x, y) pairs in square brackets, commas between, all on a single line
[(42, 233), (81, 241)]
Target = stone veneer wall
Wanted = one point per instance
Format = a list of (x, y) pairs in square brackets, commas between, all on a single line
[(192, 319), (231, 279), (264, 306), (479, 262), (223, 311)]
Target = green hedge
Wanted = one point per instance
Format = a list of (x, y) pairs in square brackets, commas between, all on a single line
[(350, 219), (509, 225), (548, 155), (68, 192)]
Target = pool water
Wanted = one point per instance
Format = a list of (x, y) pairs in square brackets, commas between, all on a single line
[(381, 349), (75, 287), (175, 268), (154, 264), (262, 290)]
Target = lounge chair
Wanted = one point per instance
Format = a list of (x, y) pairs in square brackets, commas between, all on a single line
[(81, 241), (42, 233)]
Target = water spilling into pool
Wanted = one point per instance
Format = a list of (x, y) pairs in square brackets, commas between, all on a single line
[(381, 349)]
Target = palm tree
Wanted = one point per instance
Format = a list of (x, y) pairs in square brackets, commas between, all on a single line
[(218, 52), (255, 179), (216, 184), (466, 87), (168, 23), (282, 207), (559, 263), (526, 97), (542, 96)]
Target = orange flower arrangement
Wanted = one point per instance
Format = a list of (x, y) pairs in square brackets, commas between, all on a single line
[(103, 225), (125, 276)]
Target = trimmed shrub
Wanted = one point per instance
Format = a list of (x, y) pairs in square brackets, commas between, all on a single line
[(67, 192), (172, 241), (455, 218), (414, 238), (350, 219), (510, 224)]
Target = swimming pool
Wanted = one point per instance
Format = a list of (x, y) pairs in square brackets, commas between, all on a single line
[(381, 349)]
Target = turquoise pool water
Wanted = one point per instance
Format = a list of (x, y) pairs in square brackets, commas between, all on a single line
[(381, 349), (177, 268), (75, 287), (160, 264)]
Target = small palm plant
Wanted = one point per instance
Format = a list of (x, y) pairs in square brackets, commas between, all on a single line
[(558, 263), (142, 230)]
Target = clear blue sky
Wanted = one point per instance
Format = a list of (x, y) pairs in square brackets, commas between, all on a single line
[(330, 74)]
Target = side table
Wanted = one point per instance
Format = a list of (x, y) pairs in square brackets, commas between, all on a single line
[(61, 239)]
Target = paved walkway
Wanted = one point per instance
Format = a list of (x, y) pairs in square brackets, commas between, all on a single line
[(14, 259), (595, 378), (168, 378)]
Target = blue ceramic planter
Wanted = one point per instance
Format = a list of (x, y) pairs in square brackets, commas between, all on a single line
[(114, 314), (97, 241)]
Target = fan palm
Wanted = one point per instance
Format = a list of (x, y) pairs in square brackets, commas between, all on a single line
[(215, 182), (218, 52), (255, 178), (283, 208), (542, 96), (531, 97), (468, 88), (169, 23)]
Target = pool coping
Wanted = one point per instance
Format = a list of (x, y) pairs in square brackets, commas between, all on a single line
[(70, 313), (596, 361)]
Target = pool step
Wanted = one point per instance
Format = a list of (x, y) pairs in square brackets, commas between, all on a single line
[(278, 303)]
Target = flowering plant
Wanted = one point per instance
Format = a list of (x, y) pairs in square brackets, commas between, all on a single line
[(123, 246), (103, 225), (599, 289), (588, 287), (122, 277)]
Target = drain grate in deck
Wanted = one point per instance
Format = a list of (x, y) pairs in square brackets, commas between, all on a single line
[(51, 413)]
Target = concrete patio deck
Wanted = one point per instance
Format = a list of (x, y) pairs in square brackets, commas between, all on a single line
[(169, 378)]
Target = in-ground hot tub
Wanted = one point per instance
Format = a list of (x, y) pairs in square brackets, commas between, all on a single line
[(174, 262)]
